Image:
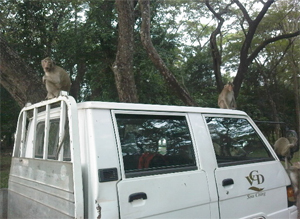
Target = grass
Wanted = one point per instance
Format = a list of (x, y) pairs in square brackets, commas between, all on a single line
[(5, 160)]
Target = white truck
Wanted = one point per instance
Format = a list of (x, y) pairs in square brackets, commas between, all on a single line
[(119, 160)]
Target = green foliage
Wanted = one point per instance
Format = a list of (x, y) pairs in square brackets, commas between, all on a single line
[(82, 37), (9, 111), (200, 79)]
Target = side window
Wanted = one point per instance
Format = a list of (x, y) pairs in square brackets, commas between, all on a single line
[(153, 144), (235, 141), (52, 142), (53, 139), (39, 142)]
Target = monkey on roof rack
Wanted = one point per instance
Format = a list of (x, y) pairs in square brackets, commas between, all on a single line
[(56, 78)]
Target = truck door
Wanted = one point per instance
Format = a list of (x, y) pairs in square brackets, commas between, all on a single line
[(160, 177), (250, 182)]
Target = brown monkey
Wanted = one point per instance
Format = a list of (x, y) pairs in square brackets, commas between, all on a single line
[(56, 78), (293, 173), (283, 148), (226, 98)]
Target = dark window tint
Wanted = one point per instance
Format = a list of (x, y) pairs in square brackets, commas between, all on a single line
[(235, 141), (155, 144), (52, 142)]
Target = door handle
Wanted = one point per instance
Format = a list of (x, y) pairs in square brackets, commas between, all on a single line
[(136, 196), (227, 182)]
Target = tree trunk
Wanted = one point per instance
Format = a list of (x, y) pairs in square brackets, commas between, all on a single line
[(216, 54), (123, 65), (18, 78), (156, 59), (75, 88), (296, 88), (217, 61), (244, 58)]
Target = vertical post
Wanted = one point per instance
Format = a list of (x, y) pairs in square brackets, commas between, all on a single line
[(62, 122), (34, 121), (75, 156), (47, 127), (23, 134), (17, 144)]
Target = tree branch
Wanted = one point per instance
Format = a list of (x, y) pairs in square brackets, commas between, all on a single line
[(18, 78), (244, 58), (156, 59), (244, 11), (263, 11), (216, 54), (268, 41)]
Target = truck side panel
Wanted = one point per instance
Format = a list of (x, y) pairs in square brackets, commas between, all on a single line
[(99, 153), (40, 189), (46, 166)]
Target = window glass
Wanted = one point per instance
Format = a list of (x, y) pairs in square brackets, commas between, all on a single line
[(39, 142), (235, 141), (155, 144), (53, 140), (67, 151)]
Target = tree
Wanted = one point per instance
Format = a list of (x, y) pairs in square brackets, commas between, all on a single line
[(87, 47), (9, 110), (290, 23), (246, 58), (18, 78), (215, 51), (278, 63), (296, 84), (156, 59), (200, 79), (123, 65), (249, 51), (100, 40)]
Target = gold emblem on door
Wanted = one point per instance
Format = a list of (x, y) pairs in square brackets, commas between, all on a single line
[(255, 179)]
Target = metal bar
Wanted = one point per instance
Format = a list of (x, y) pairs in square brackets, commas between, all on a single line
[(23, 135), (34, 121), (60, 149), (46, 132), (75, 156)]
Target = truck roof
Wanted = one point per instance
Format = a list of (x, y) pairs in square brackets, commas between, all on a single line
[(154, 107)]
